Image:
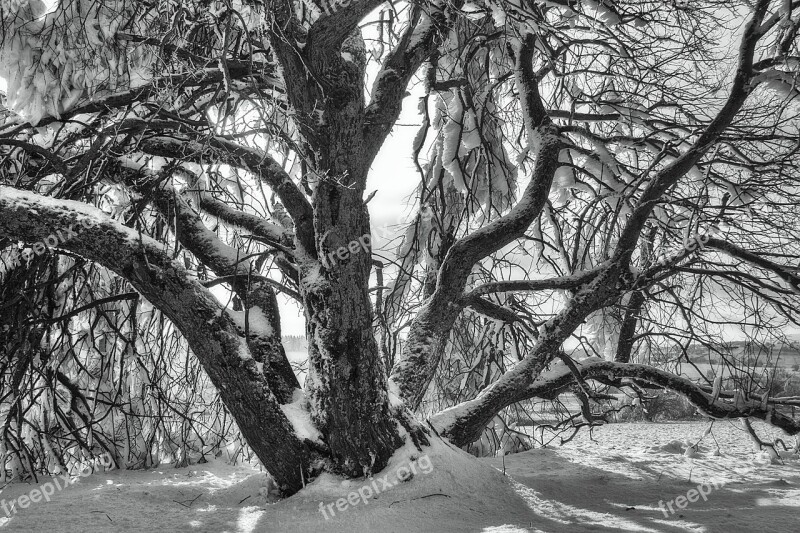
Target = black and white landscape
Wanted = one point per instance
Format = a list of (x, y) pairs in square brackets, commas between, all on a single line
[(416, 265)]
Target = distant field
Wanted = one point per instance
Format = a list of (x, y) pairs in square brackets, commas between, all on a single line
[(297, 357)]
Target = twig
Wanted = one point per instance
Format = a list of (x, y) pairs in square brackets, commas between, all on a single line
[(105, 513), (190, 501), (420, 498)]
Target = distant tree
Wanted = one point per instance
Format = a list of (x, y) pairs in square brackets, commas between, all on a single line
[(598, 166)]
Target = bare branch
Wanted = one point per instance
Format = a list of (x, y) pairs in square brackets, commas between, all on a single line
[(787, 274), (250, 159), (459, 423), (414, 370), (563, 283), (664, 179)]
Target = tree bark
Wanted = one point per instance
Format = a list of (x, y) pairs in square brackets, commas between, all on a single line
[(627, 333)]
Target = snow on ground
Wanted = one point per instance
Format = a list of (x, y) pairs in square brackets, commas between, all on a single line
[(616, 478), (612, 480)]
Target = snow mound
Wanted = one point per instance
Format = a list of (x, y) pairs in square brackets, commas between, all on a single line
[(683, 447), (673, 446), (447, 483), (256, 489), (767, 457)]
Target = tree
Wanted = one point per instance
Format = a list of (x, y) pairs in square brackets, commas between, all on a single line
[(572, 143)]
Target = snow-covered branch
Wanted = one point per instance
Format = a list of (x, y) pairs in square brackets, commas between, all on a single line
[(787, 274), (463, 423), (211, 333), (416, 45), (253, 160), (260, 322), (195, 78), (415, 368), (254, 224)]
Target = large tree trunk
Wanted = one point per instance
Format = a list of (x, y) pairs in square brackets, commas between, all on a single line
[(346, 383)]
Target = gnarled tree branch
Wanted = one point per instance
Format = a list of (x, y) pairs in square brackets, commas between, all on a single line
[(461, 426), (211, 333)]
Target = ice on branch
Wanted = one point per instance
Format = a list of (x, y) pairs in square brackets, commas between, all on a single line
[(603, 13), (56, 54)]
